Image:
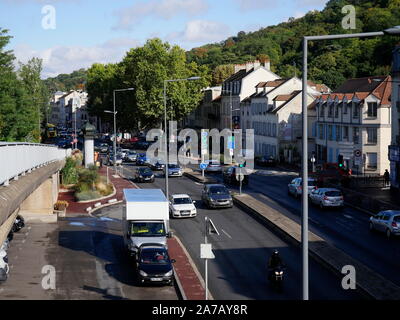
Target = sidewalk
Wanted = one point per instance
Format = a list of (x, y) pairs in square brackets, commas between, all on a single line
[(188, 280)]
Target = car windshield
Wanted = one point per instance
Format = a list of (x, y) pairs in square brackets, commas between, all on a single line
[(218, 190), (213, 163), (152, 256), (173, 166), (396, 218), (333, 194), (147, 229), (311, 183), (182, 201), (132, 152), (145, 171)]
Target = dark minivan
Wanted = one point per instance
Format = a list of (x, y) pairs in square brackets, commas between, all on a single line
[(153, 265)]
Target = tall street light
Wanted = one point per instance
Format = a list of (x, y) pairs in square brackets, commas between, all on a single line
[(115, 125), (165, 127), (304, 225)]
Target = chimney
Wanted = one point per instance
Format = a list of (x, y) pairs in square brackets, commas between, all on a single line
[(267, 65), (239, 67)]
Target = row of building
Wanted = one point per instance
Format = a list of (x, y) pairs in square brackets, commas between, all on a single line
[(69, 109), (356, 121)]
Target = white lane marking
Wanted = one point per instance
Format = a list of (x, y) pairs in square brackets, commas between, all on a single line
[(198, 183), (348, 217), (226, 233)]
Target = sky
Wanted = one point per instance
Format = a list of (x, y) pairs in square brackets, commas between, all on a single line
[(73, 34)]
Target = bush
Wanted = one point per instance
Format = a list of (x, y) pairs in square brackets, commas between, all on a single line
[(87, 195), (69, 173)]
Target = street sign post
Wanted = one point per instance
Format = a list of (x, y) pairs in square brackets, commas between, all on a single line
[(206, 248), (203, 166), (240, 178)]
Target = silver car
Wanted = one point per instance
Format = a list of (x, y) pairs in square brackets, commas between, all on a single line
[(213, 166), (295, 187), (386, 221), (327, 197)]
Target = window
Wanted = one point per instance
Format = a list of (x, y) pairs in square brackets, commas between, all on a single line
[(330, 132), (345, 106), (372, 135), (372, 109), (372, 160), (274, 130), (346, 133), (320, 131), (356, 111), (356, 134), (338, 133), (337, 111), (321, 110), (269, 129), (330, 111)]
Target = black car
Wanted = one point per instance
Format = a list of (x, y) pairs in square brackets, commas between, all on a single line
[(230, 175), (266, 161), (153, 265), (216, 196), (144, 175), (157, 165)]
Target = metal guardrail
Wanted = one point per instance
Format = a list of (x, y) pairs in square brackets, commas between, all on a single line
[(17, 158)]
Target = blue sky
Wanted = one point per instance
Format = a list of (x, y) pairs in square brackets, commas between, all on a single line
[(88, 31)]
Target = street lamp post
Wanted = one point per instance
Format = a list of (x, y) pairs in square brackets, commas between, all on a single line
[(115, 125), (304, 229), (165, 127)]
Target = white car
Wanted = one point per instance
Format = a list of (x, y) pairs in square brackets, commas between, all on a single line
[(213, 166), (182, 206), (327, 197), (295, 187)]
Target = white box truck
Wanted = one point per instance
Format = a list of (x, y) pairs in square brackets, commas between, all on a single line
[(145, 218)]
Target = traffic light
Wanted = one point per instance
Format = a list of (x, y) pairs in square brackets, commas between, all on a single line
[(340, 161)]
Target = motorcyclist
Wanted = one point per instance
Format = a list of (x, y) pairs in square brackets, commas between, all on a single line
[(274, 261)]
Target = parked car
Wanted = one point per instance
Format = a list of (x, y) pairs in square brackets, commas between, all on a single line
[(103, 147), (141, 159), (174, 170), (182, 206), (216, 196), (229, 175), (154, 265), (266, 161), (295, 187), (118, 159), (144, 174), (213, 166), (124, 153), (327, 197), (131, 156), (386, 221), (157, 165)]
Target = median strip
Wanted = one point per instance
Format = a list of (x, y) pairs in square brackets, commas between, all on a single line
[(368, 281)]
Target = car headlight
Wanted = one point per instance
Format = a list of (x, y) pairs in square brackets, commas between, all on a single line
[(168, 274), (152, 176), (142, 273), (213, 200)]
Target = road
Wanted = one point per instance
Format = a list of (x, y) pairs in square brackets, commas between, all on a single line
[(241, 252), (89, 260), (346, 229)]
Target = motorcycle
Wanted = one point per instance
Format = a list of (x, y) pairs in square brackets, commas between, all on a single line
[(19, 223), (276, 277), (4, 268)]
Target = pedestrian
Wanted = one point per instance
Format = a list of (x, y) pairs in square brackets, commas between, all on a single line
[(386, 177)]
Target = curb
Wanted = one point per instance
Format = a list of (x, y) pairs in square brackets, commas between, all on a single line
[(372, 284)]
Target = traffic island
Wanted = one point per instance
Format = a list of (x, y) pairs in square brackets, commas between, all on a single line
[(368, 282), (197, 176)]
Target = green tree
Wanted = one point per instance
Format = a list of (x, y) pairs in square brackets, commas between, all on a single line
[(221, 73)]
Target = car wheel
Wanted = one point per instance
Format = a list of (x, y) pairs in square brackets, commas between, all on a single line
[(371, 227), (388, 233)]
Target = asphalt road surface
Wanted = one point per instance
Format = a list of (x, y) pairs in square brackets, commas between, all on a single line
[(89, 260), (346, 229), (242, 250)]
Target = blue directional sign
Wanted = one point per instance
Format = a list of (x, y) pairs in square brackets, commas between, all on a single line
[(231, 142), (203, 166)]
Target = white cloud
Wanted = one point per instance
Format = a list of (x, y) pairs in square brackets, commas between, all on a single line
[(251, 5), (201, 31), (65, 59), (311, 2), (165, 9)]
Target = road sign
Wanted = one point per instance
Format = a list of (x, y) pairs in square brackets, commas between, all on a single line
[(312, 159), (240, 177), (231, 143), (204, 142), (357, 153), (206, 251), (203, 166)]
